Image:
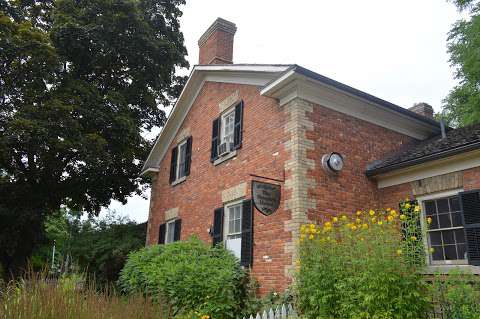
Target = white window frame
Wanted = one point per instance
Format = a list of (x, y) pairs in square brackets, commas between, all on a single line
[(426, 238), (169, 232), (226, 220), (227, 113), (179, 155)]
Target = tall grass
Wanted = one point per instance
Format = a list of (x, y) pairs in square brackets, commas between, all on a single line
[(36, 297)]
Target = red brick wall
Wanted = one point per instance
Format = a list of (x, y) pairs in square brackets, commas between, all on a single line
[(471, 178), (360, 143), (200, 194)]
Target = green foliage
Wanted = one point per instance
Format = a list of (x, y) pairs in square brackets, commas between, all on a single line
[(412, 234), (79, 83), (462, 105), (457, 294), (193, 278), (356, 268), (98, 247)]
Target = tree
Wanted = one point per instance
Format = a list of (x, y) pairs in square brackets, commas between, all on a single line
[(462, 105), (80, 81)]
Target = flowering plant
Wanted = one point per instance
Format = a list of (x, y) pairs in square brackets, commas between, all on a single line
[(358, 266)]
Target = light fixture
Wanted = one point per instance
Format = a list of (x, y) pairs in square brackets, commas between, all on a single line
[(332, 162)]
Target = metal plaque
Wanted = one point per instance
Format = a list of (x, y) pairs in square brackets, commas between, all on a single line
[(266, 197)]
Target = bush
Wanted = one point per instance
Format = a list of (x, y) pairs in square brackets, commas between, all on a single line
[(457, 295), (193, 278), (357, 267)]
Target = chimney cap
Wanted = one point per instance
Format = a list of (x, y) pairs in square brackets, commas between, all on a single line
[(218, 24)]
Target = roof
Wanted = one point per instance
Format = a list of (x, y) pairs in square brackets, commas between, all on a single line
[(455, 142), (277, 79)]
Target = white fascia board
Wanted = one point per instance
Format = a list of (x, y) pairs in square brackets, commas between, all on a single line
[(292, 85), (442, 166), (257, 75)]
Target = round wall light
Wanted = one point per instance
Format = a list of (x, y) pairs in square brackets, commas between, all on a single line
[(332, 162)]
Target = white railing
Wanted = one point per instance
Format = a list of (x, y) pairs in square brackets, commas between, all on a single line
[(280, 312)]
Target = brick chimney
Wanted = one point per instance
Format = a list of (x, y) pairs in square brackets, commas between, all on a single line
[(216, 44), (423, 109)]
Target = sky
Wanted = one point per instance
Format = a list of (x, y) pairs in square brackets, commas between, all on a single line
[(395, 50)]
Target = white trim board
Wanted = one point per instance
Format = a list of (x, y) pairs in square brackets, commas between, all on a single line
[(434, 168)]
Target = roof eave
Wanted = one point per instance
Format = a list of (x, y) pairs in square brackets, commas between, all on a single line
[(424, 159)]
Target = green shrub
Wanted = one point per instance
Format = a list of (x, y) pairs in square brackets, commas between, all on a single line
[(356, 267), (458, 295), (193, 278)]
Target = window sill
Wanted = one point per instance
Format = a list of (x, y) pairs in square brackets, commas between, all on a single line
[(224, 158), (445, 269), (179, 181)]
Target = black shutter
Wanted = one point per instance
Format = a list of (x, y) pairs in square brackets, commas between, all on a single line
[(246, 258), (215, 139), (161, 234), (237, 137), (173, 165), (188, 156), (178, 230), (217, 233), (470, 205)]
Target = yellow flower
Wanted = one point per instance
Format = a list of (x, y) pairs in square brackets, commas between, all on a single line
[(371, 212), (359, 213), (374, 220), (358, 220), (302, 236), (403, 217), (335, 219), (389, 209), (431, 250), (429, 220), (354, 228), (407, 205), (413, 238), (344, 217), (365, 226), (399, 252), (417, 209), (380, 223), (205, 317), (312, 226), (302, 228), (389, 218), (393, 213), (328, 224), (310, 237)]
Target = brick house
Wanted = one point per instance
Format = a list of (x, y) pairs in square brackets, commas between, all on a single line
[(329, 147)]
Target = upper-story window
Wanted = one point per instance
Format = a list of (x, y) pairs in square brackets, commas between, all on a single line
[(453, 236), (181, 161), (227, 134), (228, 125)]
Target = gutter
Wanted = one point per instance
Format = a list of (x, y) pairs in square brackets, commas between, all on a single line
[(424, 159)]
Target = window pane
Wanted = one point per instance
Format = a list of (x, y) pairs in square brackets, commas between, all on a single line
[(462, 251), (450, 252), (430, 208), (444, 220), (454, 204), (437, 253), (238, 226), (460, 236), (435, 238), (181, 162), (231, 226), (434, 224), (448, 237), (456, 219), (442, 205), (170, 232)]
